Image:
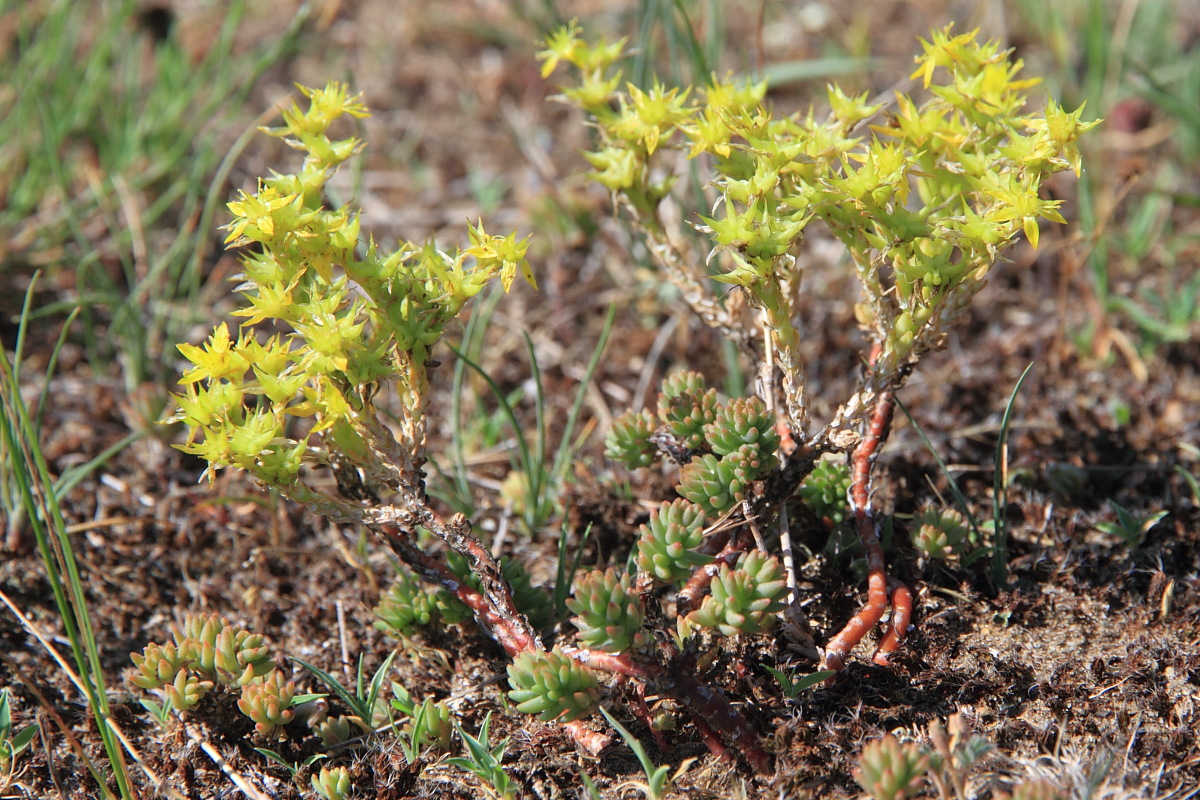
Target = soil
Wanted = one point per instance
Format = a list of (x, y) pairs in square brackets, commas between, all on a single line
[(1084, 669)]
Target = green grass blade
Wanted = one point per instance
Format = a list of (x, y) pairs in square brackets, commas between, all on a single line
[(526, 458), (40, 501), (535, 479), (999, 570), (345, 695)]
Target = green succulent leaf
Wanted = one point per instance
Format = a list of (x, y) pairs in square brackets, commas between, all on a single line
[(608, 611), (745, 599), (553, 686), (667, 544)]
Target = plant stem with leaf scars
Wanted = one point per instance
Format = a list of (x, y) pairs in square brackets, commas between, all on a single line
[(493, 609), (720, 724), (877, 582)]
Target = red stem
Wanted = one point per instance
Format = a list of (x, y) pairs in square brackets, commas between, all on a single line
[(877, 583), (494, 611), (720, 724), (893, 640)]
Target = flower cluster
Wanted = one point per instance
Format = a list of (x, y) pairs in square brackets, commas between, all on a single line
[(349, 319), (924, 200)]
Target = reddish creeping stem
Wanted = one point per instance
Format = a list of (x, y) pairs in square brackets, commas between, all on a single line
[(495, 613), (877, 583)]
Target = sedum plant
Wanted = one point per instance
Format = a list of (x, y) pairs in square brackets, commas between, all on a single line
[(744, 599), (408, 605), (552, 685), (667, 543), (355, 319), (207, 653), (329, 369), (940, 534), (889, 770), (825, 490), (609, 612), (925, 192), (332, 783), (268, 702)]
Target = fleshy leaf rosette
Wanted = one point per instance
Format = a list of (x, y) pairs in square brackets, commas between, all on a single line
[(186, 691), (826, 490), (609, 613), (332, 783), (685, 406), (743, 421), (628, 441), (889, 770), (405, 606), (667, 547), (158, 665), (940, 534), (552, 685), (268, 702), (744, 599), (230, 657), (718, 484)]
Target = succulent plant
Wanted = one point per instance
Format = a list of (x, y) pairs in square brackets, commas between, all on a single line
[(744, 599), (158, 665), (685, 406), (552, 685), (267, 702), (940, 533), (826, 489), (186, 691), (667, 544), (405, 606), (889, 770), (718, 484), (332, 783), (681, 383), (608, 612), (742, 421), (335, 730), (628, 441), (227, 656)]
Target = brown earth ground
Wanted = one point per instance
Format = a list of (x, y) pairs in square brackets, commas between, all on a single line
[(1087, 668)]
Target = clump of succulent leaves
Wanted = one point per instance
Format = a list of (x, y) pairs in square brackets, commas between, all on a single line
[(825, 491), (553, 686), (208, 653), (940, 533), (332, 783), (891, 770), (409, 604)]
